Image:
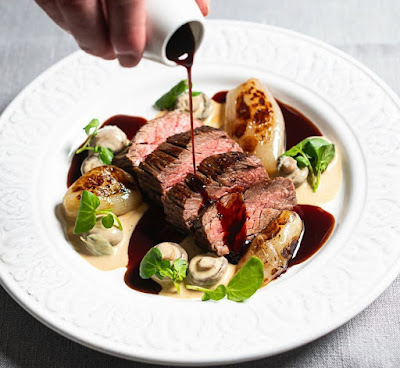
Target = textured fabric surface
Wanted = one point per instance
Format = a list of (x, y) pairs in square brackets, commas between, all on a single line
[(369, 30)]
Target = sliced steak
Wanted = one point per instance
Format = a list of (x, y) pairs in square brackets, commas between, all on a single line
[(225, 226), (172, 160), (150, 136), (217, 176)]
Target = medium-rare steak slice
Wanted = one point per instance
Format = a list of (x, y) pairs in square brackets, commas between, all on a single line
[(217, 176), (225, 226), (172, 160), (150, 136)]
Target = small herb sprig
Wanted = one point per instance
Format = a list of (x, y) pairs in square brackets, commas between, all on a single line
[(167, 100), (153, 264), (242, 286), (88, 214), (314, 153), (105, 154)]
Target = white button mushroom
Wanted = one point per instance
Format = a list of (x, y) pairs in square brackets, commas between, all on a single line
[(110, 137), (90, 163), (202, 105), (100, 241), (287, 167), (207, 269), (170, 252)]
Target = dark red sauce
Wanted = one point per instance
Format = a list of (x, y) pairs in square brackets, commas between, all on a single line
[(74, 171), (318, 226), (196, 185), (128, 124), (298, 127), (233, 218), (220, 97), (143, 238), (180, 49)]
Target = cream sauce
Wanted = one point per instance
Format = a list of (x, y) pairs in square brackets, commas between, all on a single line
[(120, 256)]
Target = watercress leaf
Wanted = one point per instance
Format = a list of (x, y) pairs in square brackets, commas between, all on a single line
[(108, 221), (159, 275), (196, 93), (150, 264), (216, 294), (92, 126), (246, 281), (311, 148), (167, 272), (165, 264), (105, 154), (167, 101), (326, 154), (86, 217), (293, 152), (302, 161), (180, 268)]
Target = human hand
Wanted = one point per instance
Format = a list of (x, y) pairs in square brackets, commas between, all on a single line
[(106, 28)]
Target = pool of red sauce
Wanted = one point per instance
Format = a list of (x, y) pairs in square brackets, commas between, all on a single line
[(318, 223)]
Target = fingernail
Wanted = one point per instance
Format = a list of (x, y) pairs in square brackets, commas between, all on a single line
[(128, 60)]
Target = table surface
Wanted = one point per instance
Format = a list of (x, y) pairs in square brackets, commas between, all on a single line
[(369, 30)]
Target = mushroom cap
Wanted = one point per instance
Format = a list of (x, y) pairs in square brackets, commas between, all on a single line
[(90, 163), (110, 137), (171, 252), (202, 105), (207, 269), (100, 241), (287, 167)]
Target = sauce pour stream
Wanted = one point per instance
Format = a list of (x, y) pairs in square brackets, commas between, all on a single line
[(180, 49)]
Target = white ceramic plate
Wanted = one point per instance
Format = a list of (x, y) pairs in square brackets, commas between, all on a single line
[(44, 274)]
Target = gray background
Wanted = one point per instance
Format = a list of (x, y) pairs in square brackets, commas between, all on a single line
[(367, 29)]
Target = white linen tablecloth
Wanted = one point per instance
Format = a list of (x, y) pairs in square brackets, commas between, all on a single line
[(369, 30)]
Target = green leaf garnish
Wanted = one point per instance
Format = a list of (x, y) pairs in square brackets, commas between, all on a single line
[(94, 124), (242, 286), (314, 153), (216, 294), (246, 281), (108, 221), (153, 264), (86, 218), (106, 155), (88, 214), (167, 101)]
